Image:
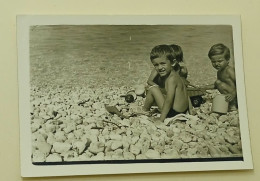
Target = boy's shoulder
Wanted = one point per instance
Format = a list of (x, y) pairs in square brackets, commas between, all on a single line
[(174, 77), (230, 69), (227, 69)]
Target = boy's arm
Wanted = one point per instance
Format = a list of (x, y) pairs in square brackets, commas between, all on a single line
[(151, 78), (207, 87), (231, 73), (191, 110), (232, 76), (171, 87)]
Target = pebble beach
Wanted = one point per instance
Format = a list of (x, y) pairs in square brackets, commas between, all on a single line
[(73, 125), (69, 91)]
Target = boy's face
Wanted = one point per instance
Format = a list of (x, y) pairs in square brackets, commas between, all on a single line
[(219, 62), (162, 66)]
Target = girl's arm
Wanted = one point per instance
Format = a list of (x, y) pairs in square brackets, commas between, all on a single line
[(171, 87), (150, 80)]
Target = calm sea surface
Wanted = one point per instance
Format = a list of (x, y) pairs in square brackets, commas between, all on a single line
[(117, 55)]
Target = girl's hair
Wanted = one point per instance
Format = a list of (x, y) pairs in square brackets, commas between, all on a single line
[(162, 51), (219, 49), (177, 52)]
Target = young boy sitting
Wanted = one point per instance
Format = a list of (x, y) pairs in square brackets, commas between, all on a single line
[(169, 94), (219, 55), (181, 69)]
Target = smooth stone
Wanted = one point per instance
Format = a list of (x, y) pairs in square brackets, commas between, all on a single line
[(38, 137), (83, 157), (68, 155), (223, 118), (234, 149), (128, 156), (80, 146), (50, 128), (231, 139), (185, 137), (191, 151), (70, 127), (78, 133), (177, 144), (152, 154), (134, 140), (60, 136), (212, 120), (44, 147), (170, 153), (54, 158), (61, 147), (99, 156), (158, 148), (234, 122), (141, 157), (116, 144), (35, 126), (51, 139), (214, 152), (135, 149), (94, 132), (96, 147), (38, 156), (114, 136)]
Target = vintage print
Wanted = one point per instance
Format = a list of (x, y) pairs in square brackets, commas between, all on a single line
[(130, 94)]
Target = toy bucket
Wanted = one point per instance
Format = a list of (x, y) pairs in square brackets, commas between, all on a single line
[(220, 105)]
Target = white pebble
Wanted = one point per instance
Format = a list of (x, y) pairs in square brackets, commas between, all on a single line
[(80, 146), (61, 147), (60, 136), (152, 154), (116, 144), (128, 156), (135, 149), (44, 147), (38, 156), (96, 147), (54, 158)]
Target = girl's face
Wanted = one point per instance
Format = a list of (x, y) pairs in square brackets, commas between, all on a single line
[(219, 62), (162, 66)]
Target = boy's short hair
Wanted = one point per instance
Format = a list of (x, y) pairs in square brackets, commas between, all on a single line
[(219, 49), (162, 51), (177, 52)]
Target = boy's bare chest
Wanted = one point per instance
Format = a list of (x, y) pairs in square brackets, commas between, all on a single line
[(161, 82)]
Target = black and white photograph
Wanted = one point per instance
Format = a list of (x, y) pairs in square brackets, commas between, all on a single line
[(108, 95)]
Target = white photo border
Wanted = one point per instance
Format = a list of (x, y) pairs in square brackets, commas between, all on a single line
[(28, 169)]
